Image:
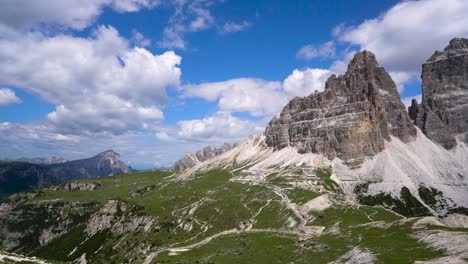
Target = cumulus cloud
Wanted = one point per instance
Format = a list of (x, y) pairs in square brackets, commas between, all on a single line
[(401, 78), (27, 14), (230, 27), (308, 52), (220, 127), (7, 96), (305, 82), (407, 34), (255, 96), (259, 97), (99, 84)]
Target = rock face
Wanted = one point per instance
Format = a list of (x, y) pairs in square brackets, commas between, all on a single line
[(443, 112), (20, 176), (350, 119), (206, 153), (75, 186)]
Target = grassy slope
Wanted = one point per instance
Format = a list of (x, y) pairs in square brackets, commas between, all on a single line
[(224, 204)]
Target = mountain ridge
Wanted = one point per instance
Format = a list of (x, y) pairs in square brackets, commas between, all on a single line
[(19, 176), (393, 153)]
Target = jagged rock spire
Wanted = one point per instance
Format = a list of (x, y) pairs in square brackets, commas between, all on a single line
[(443, 113), (350, 119)]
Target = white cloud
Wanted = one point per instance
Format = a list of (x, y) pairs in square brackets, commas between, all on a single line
[(99, 84), (189, 16), (259, 97), (305, 82), (220, 127), (230, 27), (7, 96), (407, 35), (326, 50), (27, 14), (401, 78), (255, 96)]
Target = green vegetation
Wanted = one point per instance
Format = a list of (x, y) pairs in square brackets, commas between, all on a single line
[(301, 196), (352, 216), (275, 215), (115, 187), (256, 248), (429, 195), (406, 205), (188, 211), (328, 183)]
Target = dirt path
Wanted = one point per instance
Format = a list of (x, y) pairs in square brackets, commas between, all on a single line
[(205, 241), (300, 231)]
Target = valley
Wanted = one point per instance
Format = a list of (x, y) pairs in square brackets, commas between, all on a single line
[(217, 216)]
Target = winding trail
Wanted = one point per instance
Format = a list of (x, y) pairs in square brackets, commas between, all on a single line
[(205, 241), (300, 230)]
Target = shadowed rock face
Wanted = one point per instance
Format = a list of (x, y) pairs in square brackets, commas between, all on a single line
[(443, 112), (349, 120)]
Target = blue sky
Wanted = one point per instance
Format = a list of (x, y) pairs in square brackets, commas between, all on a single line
[(154, 79)]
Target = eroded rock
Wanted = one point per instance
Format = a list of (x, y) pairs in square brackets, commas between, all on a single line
[(349, 120), (443, 113)]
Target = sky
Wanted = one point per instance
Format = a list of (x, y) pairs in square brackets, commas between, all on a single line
[(155, 79)]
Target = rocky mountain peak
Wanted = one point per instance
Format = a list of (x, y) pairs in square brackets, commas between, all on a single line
[(108, 153), (443, 112), (457, 44), (363, 59), (350, 119)]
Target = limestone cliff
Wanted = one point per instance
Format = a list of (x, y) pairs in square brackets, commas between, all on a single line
[(443, 112), (350, 120)]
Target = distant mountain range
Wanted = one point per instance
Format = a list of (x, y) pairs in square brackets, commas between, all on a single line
[(25, 174), (49, 160)]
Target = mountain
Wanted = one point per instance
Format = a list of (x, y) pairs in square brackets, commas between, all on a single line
[(350, 120), (443, 115), (20, 176), (204, 154), (49, 160), (341, 176), (359, 128)]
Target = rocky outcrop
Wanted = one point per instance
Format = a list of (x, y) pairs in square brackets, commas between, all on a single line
[(119, 216), (26, 226), (443, 112), (75, 186), (204, 154), (350, 119)]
